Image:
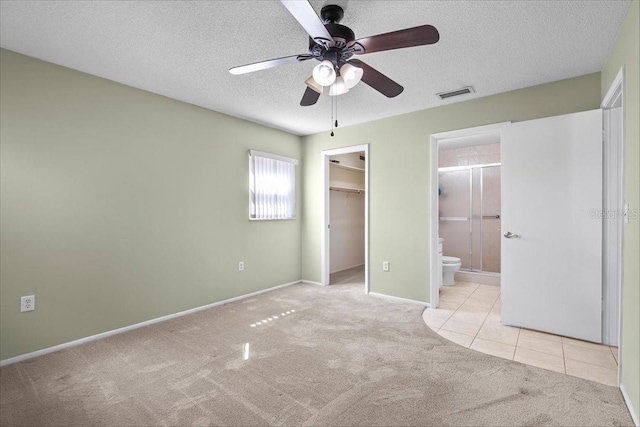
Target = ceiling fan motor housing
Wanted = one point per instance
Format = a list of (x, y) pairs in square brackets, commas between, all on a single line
[(342, 35)]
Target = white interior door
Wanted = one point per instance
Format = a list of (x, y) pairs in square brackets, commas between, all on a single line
[(551, 203)]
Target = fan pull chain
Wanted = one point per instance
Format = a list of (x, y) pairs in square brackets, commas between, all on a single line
[(332, 134), (334, 107)]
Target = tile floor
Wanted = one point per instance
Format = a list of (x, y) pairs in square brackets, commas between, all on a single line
[(469, 315)]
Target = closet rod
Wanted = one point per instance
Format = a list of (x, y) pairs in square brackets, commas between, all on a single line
[(347, 190)]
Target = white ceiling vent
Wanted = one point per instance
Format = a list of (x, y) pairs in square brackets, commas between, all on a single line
[(456, 92)]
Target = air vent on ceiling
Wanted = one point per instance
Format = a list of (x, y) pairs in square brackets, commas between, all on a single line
[(457, 92)]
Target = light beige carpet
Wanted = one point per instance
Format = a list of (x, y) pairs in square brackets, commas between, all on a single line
[(341, 358)]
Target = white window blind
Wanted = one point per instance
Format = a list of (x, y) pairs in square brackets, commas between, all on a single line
[(272, 186)]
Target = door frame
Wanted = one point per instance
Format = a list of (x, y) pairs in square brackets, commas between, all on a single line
[(613, 183), (435, 140), (326, 211)]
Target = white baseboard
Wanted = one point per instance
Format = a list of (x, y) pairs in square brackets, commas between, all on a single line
[(627, 400), (310, 282), (80, 341), (413, 301)]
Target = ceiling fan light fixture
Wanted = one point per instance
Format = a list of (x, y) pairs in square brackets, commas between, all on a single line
[(324, 73), (313, 84), (351, 74), (339, 87)]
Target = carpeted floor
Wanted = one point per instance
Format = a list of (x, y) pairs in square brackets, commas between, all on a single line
[(338, 358)]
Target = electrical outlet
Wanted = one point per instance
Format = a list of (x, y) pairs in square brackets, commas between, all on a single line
[(241, 266), (28, 303), (385, 265)]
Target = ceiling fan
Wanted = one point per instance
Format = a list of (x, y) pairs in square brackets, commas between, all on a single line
[(334, 45)]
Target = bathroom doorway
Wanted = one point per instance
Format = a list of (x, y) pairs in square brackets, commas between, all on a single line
[(465, 204)]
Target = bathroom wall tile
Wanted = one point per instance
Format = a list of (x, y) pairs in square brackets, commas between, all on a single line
[(446, 158), (594, 357), (458, 338), (499, 333), (593, 373), (540, 335), (532, 342), (479, 154), (493, 348), (541, 360), (586, 344), (455, 325)]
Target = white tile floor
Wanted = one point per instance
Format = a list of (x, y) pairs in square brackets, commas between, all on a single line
[(469, 315)]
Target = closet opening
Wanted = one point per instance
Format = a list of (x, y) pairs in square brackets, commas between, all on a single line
[(346, 222)]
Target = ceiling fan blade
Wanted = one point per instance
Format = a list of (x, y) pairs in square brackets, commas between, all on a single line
[(263, 65), (310, 97), (307, 17), (416, 36), (377, 80)]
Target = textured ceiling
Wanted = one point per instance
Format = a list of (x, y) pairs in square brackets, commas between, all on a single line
[(183, 50)]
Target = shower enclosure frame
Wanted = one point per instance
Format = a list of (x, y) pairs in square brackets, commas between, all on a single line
[(471, 216)]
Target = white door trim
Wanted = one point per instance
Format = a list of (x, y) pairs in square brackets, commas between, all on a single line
[(437, 138), (614, 182), (326, 246)]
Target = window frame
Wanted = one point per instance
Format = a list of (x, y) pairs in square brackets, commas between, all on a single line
[(252, 184)]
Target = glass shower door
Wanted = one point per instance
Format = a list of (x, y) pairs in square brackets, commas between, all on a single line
[(454, 204), (490, 228), (469, 223)]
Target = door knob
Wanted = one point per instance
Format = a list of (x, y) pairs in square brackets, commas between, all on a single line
[(510, 235)]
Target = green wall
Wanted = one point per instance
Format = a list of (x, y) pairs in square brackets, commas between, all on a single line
[(119, 206), (399, 179), (626, 53)]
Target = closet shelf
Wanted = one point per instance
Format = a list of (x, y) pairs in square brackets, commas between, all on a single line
[(352, 168)]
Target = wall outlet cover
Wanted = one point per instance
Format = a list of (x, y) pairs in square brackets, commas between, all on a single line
[(27, 303)]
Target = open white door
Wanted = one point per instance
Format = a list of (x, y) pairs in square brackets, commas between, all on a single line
[(551, 206)]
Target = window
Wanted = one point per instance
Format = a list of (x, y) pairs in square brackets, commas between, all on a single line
[(272, 186)]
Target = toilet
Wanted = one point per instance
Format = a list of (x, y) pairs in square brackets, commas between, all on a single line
[(450, 265)]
